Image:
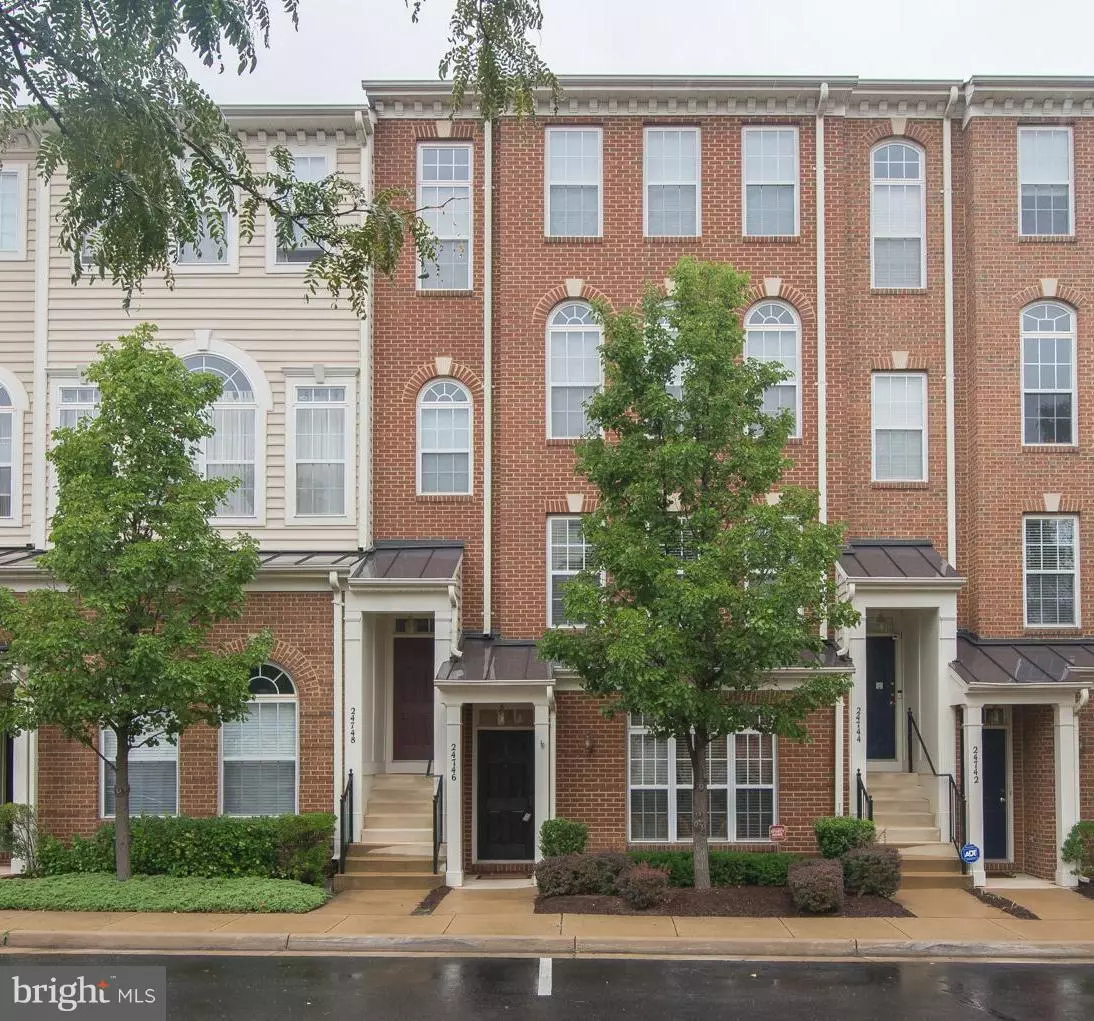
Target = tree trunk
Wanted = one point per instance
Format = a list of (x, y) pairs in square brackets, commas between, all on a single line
[(121, 810), (700, 810)]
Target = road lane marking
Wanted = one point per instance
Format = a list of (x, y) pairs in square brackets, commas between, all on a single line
[(545, 968)]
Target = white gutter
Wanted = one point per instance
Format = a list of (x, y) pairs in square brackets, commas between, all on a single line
[(947, 241), (39, 470), (366, 124), (838, 796), (487, 377), (338, 606), (822, 314)]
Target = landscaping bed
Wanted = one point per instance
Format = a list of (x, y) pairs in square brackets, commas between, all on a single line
[(93, 891), (722, 901)]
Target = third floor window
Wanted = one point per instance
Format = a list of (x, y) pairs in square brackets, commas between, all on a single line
[(1048, 374), (672, 182), (444, 198), (573, 182), (770, 159), (897, 217), (1044, 181)]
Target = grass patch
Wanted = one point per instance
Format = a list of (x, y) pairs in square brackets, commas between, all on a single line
[(95, 891)]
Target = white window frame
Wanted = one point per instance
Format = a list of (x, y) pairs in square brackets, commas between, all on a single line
[(777, 328), (419, 451), (469, 240), (697, 183), (1024, 129), (1077, 623), (874, 377), (731, 791), (330, 154), (17, 409), (599, 182), (571, 328), (745, 182), (552, 573), (922, 182), (1071, 335), (231, 246), (19, 252), (64, 380), (293, 384), (102, 779)]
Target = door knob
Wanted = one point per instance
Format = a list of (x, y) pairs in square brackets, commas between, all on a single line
[(1002, 801)]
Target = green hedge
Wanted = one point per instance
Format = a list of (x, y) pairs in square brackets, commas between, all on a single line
[(838, 834), (1078, 849), (727, 868), (275, 847)]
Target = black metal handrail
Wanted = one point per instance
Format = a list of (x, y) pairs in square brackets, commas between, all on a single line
[(864, 802), (345, 822), (957, 799), (438, 821)]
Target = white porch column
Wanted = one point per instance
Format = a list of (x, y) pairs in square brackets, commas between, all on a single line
[(442, 652), (24, 768), (857, 651), (542, 769), (974, 789), (945, 721), (1066, 735), (453, 807), (353, 718)]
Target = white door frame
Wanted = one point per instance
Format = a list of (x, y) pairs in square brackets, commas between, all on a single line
[(898, 763), (1008, 726)]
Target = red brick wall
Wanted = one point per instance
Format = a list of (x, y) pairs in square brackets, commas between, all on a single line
[(1033, 725), (1086, 764), (68, 773)]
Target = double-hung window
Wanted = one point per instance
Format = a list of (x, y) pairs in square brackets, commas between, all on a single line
[(772, 335), (741, 778), (770, 181), (672, 182), (206, 252), (309, 168), (573, 182), (444, 202), (573, 369), (153, 777), (900, 426), (444, 439), (1045, 182), (321, 450), (75, 403), (1051, 558), (897, 216), (13, 207), (567, 557), (1048, 374)]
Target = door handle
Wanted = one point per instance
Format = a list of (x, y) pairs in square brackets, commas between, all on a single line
[(1003, 800)]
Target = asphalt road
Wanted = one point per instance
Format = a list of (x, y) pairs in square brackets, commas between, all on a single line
[(478, 989)]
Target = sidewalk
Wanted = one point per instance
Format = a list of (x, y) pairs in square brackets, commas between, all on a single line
[(947, 924)]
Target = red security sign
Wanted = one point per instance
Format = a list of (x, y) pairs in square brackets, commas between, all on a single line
[(777, 833)]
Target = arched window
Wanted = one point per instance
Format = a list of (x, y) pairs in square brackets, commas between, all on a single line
[(444, 438), (230, 452), (897, 216), (1048, 373), (573, 368), (7, 454), (772, 334), (259, 753)]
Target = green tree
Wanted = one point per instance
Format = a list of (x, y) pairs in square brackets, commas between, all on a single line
[(698, 587), (122, 641), (150, 162)]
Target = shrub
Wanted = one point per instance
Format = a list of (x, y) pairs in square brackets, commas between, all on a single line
[(874, 869), (274, 847), (1078, 849), (727, 868), (19, 835), (838, 834), (562, 836), (816, 885), (642, 886), (573, 875)]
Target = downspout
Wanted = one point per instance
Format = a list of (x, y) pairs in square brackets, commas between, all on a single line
[(947, 241), (488, 377), (40, 396), (822, 313), (366, 124), (338, 611)]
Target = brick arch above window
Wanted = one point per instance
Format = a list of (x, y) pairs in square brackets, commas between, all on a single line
[(561, 294), (300, 667), (433, 370), (796, 298), (913, 132), (1059, 290)]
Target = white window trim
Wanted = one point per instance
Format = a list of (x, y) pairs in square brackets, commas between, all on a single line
[(698, 182), (19, 254), (291, 383), (330, 153), (1029, 128), (220, 756), (439, 144), (470, 491), (797, 433), (731, 797), (797, 179), (1074, 391), (60, 379), (19, 408), (547, 355), (1078, 623), (874, 376), (102, 783), (551, 573), (922, 213), (547, 181)]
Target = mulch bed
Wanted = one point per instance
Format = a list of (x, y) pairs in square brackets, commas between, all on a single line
[(1085, 890), (722, 901), (1004, 904)]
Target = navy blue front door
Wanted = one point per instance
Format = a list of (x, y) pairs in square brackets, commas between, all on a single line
[(994, 774), (880, 698)]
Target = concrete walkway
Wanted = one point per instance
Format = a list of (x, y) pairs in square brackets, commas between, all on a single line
[(947, 922)]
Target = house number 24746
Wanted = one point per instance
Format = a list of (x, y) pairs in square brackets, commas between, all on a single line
[(452, 762)]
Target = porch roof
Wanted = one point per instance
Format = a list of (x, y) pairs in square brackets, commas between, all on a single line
[(411, 560), (903, 560), (1024, 660), (25, 558)]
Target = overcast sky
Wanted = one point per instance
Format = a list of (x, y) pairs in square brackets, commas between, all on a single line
[(341, 42)]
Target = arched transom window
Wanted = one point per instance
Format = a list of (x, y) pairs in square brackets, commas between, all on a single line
[(573, 368), (7, 453), (444, 438), (897, 217), (772, 334), (1048, 373)]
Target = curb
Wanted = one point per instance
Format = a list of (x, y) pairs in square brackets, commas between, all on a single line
[(30, 939)]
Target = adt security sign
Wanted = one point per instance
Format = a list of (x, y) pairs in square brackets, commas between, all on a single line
[(970, 854)]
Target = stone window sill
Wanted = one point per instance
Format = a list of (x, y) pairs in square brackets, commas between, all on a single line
[(900, 485), (577, 239), (772, 239), (1047, 239)]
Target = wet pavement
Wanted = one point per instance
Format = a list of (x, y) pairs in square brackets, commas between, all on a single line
[(278, 988)]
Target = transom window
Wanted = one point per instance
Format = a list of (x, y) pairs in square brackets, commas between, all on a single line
[(573, 368), (741, 772), (12, 213), (770, 181), (321, 450), (897, 216), (7, 453), (772, 335), (900, 426), (75, 403), (567, 557), (310, 168), (1044, 175), (573, 182), (259, 753), (444, 438), (230, 452), (1048, 374), (153, 777), (672, 182), (444, 199), (1051, 547)]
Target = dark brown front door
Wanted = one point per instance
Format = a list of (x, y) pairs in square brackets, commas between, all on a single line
[(507, 788), (412, 732)]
